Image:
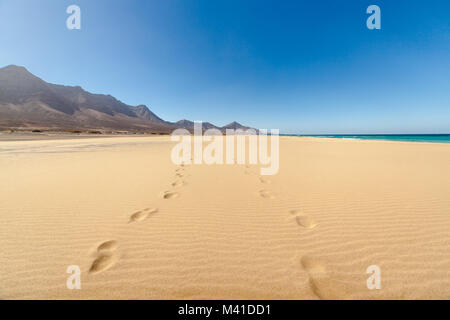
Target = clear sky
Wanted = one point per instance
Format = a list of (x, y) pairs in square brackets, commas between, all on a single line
[(300, 66)]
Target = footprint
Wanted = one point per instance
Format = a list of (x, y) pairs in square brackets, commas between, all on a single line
[(326, 285), (103, 262), (179, 175), (110, 245), (312, 265), (170, 195), (266, 194), (179, 183), (105, 257), (306, 222), (265, 180), (303, 221), (316, 272), (142, 215)]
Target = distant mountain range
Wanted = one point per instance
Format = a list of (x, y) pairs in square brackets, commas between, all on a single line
[(27, 101)]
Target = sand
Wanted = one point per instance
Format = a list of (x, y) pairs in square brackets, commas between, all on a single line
[(140, 227)]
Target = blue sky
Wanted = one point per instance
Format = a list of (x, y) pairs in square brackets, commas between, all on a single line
[(300, 66)]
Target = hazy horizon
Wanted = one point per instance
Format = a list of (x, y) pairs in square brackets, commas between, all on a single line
[(305, 68)]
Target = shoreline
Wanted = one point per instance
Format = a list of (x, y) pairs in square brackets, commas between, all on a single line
[(381, 137), (28, 136)]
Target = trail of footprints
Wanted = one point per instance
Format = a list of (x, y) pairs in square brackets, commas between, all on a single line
[(319, 280), (263, 193), (106, 257), (179, 182), (315, 269), (321, 283), (302, 220), (106, 253)]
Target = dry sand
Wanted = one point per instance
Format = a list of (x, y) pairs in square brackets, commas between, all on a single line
[(141, 227)]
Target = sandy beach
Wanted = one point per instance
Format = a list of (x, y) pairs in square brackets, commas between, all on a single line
[(141, 227)]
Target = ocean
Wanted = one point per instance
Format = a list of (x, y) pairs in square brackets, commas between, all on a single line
[(441, 138)]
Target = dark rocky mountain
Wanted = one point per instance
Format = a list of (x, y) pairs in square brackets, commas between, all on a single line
[(27, 101)]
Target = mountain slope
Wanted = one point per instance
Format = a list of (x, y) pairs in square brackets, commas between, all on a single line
[(27, 101)]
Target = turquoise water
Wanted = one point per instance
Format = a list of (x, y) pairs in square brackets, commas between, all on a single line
[(442, 138)]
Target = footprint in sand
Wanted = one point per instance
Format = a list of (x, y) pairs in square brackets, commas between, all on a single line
[(105, 257), (142, 215), (312, 266), (317, 274), (102, 263), (170, 195), (329, 285), (302, 220), (107, 246), (266, 194), (265, 180), (179, 183)]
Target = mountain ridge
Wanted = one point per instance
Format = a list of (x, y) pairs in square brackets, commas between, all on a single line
[(27, 101)]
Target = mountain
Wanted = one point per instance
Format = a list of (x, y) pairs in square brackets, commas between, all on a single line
[(27, 101), (235, 125), (143, 112), (189, 125)]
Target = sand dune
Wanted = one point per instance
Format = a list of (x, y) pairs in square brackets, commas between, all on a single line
[(141, 227)]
